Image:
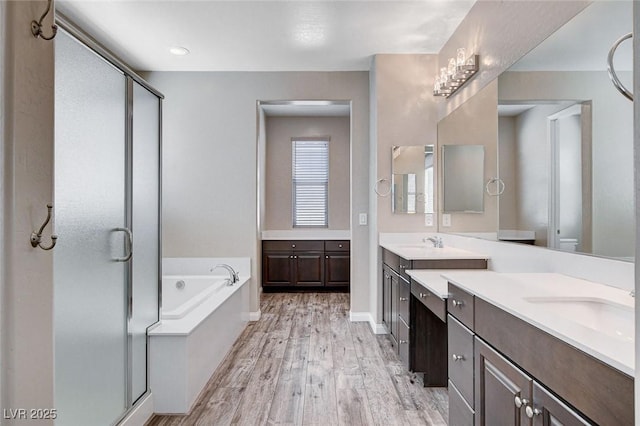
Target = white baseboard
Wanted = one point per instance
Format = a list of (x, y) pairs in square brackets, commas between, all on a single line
[(141, 413), (367, 317), (255, 316)]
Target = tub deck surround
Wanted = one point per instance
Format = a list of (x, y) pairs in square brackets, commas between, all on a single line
[(185, 325), (306, 234), (540, 300), (184, 352)]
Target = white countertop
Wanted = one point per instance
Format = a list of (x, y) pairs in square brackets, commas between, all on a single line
[(433, 280), (424, 251), (306, 234), (592, 317)]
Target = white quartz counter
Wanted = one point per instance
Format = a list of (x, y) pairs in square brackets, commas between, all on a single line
[(426, 252), (433, 279), (306, 234), (592, 317)]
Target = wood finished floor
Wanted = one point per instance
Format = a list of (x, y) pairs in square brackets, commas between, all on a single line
[(305, 363)]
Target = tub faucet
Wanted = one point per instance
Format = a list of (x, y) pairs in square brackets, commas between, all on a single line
[(437, 241), (233, 275)]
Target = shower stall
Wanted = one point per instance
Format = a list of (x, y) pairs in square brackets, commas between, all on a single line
[(107, 215)]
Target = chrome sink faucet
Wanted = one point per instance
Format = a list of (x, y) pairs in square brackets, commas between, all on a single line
[(233, 275), (437, 241)]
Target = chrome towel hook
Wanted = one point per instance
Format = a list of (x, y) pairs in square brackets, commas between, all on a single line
[(612, 72), (36, 26), (499, 187), (36, 238)]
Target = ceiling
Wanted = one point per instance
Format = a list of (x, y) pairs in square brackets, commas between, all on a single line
[(265, 35)]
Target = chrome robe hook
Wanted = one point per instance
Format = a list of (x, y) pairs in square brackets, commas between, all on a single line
[(36, 26), (36, 238)]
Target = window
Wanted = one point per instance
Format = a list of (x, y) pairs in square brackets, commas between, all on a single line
[(310, 182)]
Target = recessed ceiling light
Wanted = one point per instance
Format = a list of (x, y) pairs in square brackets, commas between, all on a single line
[(179, 51)]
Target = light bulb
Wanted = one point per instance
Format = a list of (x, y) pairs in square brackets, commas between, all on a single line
[(451, 69), (461, 56)]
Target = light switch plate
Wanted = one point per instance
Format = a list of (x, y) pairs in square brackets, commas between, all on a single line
[(362, 220), (428, 219), (446, 219)]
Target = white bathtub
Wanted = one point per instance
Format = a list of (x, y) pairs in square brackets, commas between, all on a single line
[(199, 324), (182, 294)]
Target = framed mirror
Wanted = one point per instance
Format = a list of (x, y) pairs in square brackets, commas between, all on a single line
[(566, 139), (412, 184), (463, 178)]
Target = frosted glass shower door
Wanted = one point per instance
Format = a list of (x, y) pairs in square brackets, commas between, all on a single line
[(145, 221), (90, 314)]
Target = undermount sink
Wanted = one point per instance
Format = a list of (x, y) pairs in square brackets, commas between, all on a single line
[(605, 316)]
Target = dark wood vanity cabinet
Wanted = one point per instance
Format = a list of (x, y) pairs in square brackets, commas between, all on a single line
[(415, 318), (299, 264), (337, 263), (504, 371)]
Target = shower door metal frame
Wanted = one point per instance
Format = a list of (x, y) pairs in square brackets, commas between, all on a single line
[(75, 32)]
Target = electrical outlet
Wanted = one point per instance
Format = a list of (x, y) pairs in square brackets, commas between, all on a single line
[(446, 219), (428, 219), (362, 219)]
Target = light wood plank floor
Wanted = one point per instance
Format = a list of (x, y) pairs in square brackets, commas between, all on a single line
[(305, 363)]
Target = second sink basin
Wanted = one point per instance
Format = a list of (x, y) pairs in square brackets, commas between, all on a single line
[(605, 316)]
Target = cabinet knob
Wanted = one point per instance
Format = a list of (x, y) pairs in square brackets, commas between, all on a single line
[(520, 401), (340, 245), (403, 299), (326, 257), (290, 257), (531, 412), (457, 357), (403, 342), (295, 257), (293, 246), (423, 295), (457, 303)]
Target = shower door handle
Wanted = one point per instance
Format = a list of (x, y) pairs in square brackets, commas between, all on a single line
[(128, 245)]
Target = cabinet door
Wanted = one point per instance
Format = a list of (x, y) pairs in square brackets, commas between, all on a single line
[(309, 269), (394, 307), (386, 298), (547, 410), (403, 342), (276, 269), (337, 269), (502, 390)]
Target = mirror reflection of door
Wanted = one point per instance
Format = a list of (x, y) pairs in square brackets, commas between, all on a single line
[(570, 189)]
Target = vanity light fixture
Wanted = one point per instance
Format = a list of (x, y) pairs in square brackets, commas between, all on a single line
[(457, 72), (179, 51)]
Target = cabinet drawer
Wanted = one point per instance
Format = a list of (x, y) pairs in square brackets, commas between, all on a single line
[(403, 342), (461, 358), (336, 245), (292, 245), (404, 293), (431, 301), (404, 264), (460, 305), (460, 414)]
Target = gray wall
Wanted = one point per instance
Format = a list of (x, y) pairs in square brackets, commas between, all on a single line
[(26, 284), (279, 132), (507, 202), (612, 146), (210, 155), (474, 123)]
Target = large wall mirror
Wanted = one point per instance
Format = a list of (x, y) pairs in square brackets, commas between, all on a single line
[(565, 140), (412, 185)]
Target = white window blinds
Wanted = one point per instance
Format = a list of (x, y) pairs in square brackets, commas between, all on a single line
[(310, 183)]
